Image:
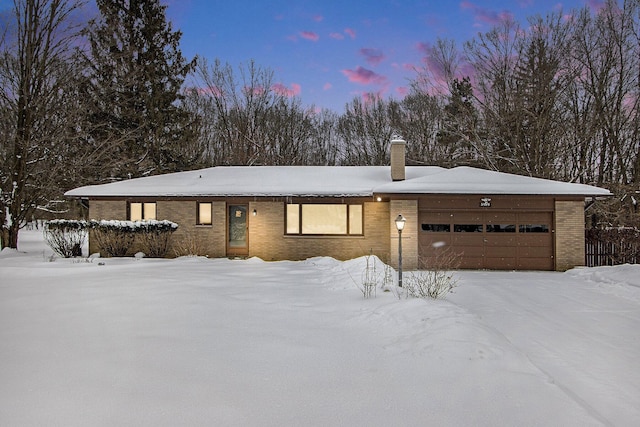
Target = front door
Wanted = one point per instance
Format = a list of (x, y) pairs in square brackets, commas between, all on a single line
[(238, 231)]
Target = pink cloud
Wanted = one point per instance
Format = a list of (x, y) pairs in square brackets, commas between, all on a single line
[(309, 35), (402, 91), (327, 86), (209, 90), (486, 16), (318, 18), (336, 36), (257, 90), (350, 32), (423, 47), (363, 76), (372, 56), (281, 89)]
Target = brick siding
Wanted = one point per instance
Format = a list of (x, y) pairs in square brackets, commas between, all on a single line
[(267, 238), (569, 234)]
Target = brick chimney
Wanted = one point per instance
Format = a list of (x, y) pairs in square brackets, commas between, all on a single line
[(397, 158)]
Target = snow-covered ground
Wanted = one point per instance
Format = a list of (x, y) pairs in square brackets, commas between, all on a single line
[(193, 341)]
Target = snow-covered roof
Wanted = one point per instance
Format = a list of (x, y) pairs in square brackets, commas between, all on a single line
[(337, 181)]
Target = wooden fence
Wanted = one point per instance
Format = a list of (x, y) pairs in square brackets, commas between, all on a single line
[(612, 246)]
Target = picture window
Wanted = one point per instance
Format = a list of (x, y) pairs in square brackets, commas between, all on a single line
[(324, 219)]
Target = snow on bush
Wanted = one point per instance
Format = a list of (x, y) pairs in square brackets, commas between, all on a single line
[(66, 237), (117, 237), (114, 237)]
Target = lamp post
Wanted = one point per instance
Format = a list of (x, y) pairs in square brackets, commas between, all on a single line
[(400, 221)]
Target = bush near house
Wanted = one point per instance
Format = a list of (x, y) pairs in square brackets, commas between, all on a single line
[(116, 238), (66, 237)]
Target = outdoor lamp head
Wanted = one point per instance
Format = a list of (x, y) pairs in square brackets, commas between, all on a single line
[(400, 221)]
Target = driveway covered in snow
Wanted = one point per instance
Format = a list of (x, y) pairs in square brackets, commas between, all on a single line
[(195, 341), (580, 328)]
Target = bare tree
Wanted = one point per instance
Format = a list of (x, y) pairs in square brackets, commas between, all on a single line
[(324, 144), (607, 61), (248, 119), (35, 73), (419, 121), (365, 129)]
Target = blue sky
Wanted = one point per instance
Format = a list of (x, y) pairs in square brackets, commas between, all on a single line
[(328, 52)]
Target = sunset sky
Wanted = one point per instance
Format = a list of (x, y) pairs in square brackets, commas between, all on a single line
[(327, 52)]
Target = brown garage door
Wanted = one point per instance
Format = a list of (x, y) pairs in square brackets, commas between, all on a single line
[(487, 240)]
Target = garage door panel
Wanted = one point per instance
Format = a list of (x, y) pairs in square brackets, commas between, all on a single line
[(500, 252), (534, 240), (427, 241), (535, 217), (467, 217), (509, 240), (435, 217), (490, 239), (534, 252), (470, 262), (535, 264), (500, 263), (467, 239), (500, 217)]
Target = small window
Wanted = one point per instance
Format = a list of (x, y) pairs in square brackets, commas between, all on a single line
[(142, 211), (436, 228), (501, 228), (534, 228), (204, 215), (467, 228)]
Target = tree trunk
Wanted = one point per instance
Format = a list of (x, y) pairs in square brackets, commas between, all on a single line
[(9, 237)]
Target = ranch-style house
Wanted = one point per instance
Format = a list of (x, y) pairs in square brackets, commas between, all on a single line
[(491, 220)]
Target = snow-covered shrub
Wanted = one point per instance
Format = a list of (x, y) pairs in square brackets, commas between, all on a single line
[(155, 237), (66, 237), (113, 237), (117, 238), (436, 281)]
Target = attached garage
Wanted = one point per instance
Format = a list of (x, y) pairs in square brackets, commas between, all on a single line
[(498, 232), (508, 234)]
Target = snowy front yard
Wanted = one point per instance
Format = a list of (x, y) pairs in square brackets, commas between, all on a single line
[(194, 341)]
